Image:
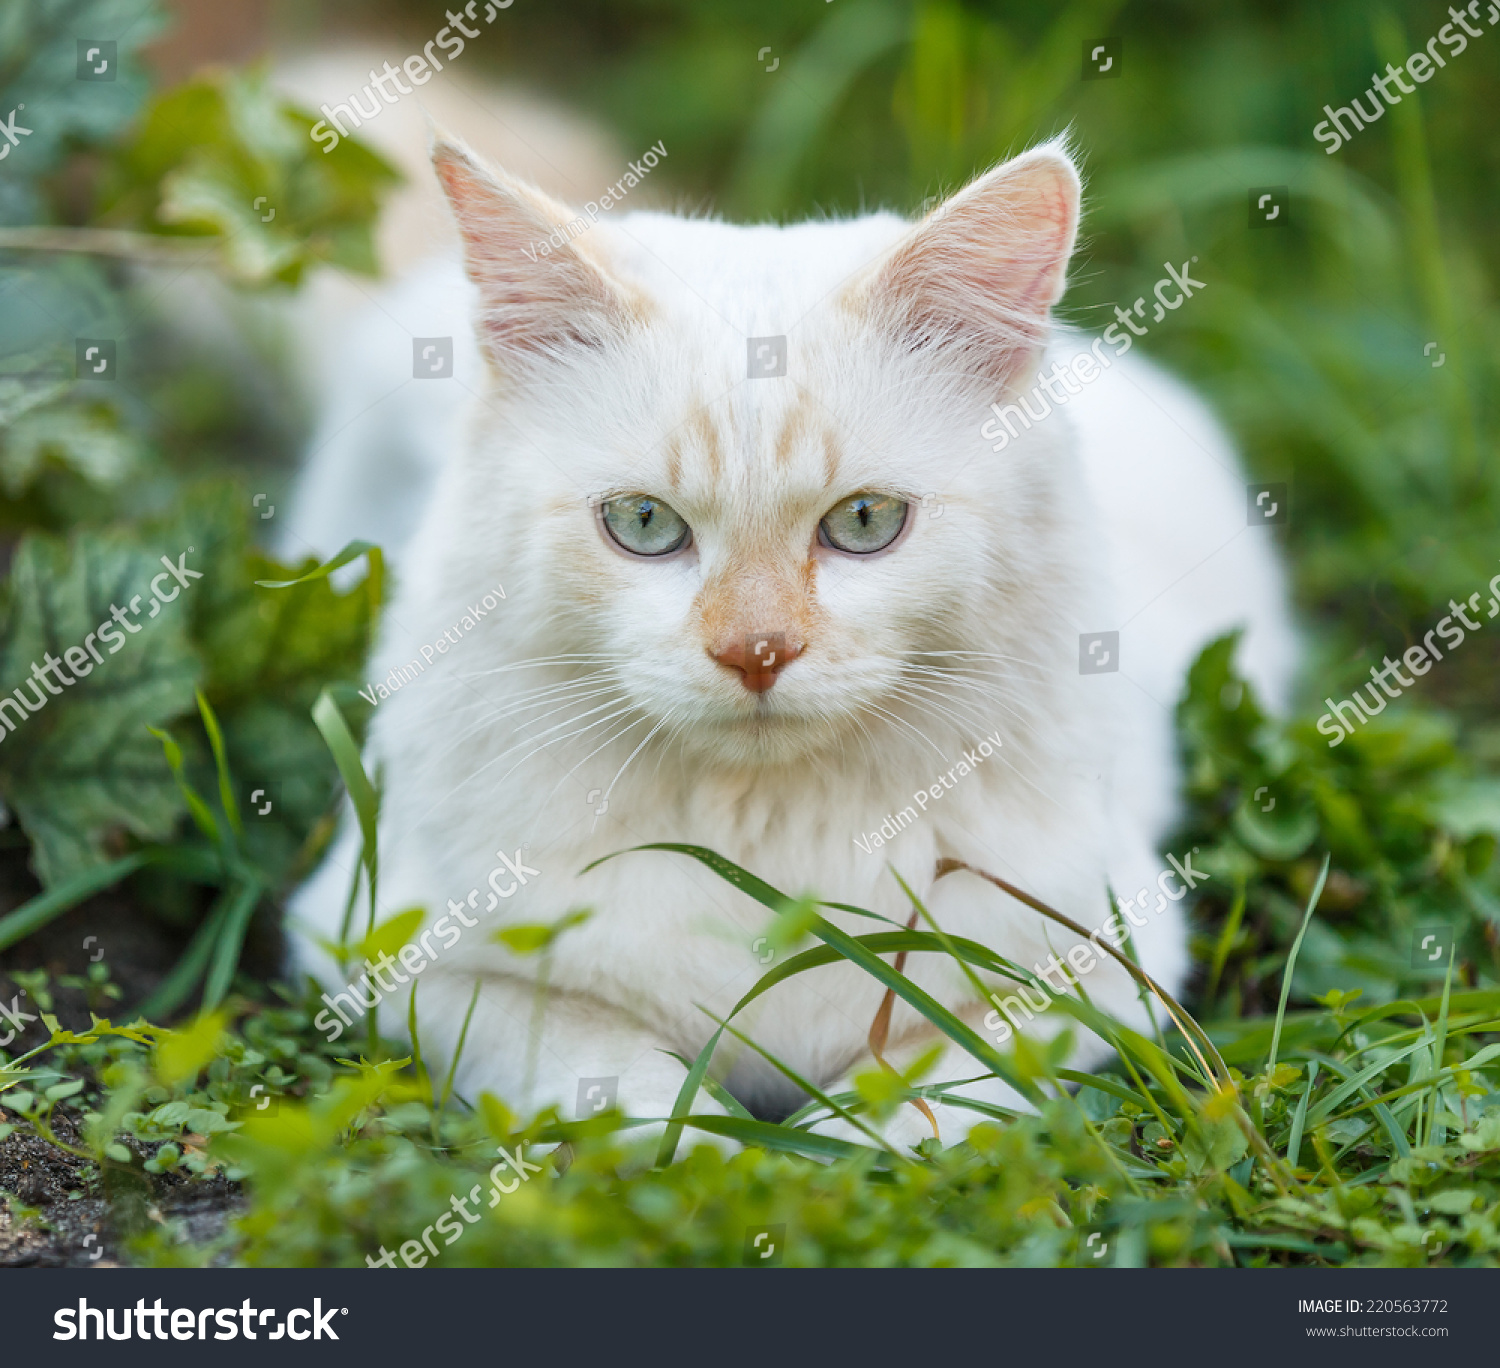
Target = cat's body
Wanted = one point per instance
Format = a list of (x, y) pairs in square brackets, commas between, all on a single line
[(1124, 510)]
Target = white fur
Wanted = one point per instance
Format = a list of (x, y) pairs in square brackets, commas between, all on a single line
[(1125, 510)]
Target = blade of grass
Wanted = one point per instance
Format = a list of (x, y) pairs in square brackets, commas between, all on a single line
[(1299, 1117), (340, 741), (716, 1090), (173, 990), (1447, 1075), (1225, 943), (792, 1076), (203, 818), (227, 799), (1291, 961), (853, 951), (725, 1098), (1434, 1129), (423, 1076), (35, 913), (1175, 1010), (984, 994), (458, 1050), (767, 1135), (226, 950), (352, 551), (686, 1095)]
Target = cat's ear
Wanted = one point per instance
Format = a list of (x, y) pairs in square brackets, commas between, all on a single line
[(539, 292), (982, 271)]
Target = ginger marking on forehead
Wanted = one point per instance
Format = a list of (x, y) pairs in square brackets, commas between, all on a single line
[(793, 430), (832, 455), (701, 427), (674, 463)]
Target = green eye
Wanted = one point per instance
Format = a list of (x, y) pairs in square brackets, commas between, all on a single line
[(863, 523), (644, 526)]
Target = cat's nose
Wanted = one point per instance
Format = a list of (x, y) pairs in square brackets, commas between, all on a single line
[(759, 657)]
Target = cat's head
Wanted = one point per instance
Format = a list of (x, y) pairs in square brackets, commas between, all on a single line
[(737, 471)]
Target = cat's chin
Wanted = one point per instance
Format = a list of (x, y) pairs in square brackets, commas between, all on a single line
[(772, 734)]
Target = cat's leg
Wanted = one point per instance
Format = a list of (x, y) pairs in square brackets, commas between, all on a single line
[(583, 1044)]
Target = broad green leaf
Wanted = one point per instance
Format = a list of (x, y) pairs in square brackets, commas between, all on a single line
[(528, 938), (1213, 1145), (87, 441), (84, 766), (388, 937), (226, 158), (182, 1055)]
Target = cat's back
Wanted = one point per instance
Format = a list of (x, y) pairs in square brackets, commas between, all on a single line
[(1187, 562)]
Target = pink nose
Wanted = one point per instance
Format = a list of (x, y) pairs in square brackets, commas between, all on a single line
[(759, 658)]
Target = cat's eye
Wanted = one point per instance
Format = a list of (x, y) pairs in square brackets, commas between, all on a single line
[(643, 526), (863, 523)]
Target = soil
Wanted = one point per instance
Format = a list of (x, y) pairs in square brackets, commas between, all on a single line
[(56, 1209)]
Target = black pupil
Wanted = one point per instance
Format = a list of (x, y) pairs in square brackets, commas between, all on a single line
[(645, 511), (863, 508)]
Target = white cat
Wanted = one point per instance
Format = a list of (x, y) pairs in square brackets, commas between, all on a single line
[(665, 511)]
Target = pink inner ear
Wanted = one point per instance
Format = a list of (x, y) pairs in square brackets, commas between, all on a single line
[(983, 271), (526, 305)]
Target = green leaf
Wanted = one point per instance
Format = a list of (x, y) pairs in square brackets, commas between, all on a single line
[(524, 939), (528, 938), (351, 552), (83, 766), (87, 441), (225, 157), (390, 935), (182, 1055), (1213, 1145)]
